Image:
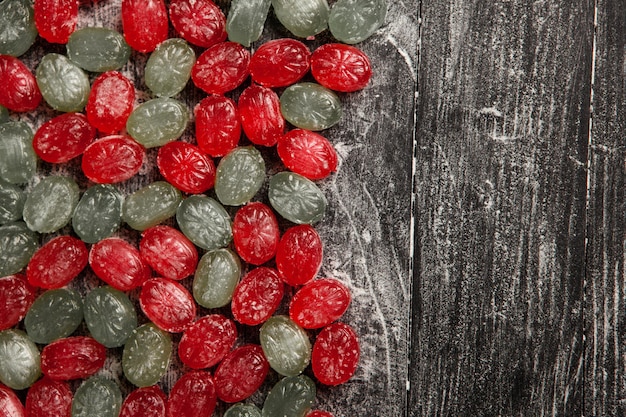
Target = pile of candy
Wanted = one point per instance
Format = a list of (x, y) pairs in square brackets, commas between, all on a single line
[(211, 256)]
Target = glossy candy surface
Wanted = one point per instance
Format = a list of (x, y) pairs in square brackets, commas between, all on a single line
[(240, 174), (186, 167), (353, 21), (205, 222), (303, 18), (110, 316), (57, 262), (63, 84), (54, 314), (280, 62), (310, 106), (335, 354), (286, 345), (18, 161), (16, 297), (49, 398), (10, 404), (341, 67), (112, 159), (193, 395), (72, 358), (169, 67), (218, 128), (118, 263), (157, 121), (21, 92), (168, 252), (97, 396), (145, 23), (199, 22), (12, 200), (307, 153), (17, 245), (56, 19), (151, 205), (257, 296), (49, 204), (145, 402), (63, 138), (255, 233), (299, 255), (245, 20), (241, 373), (110, 102), (19, 360), (207, 341), (221, 68), (296, 198), (290, 397), (146, 355), (17, 27), (216, 277), (319, 303), (98, 49), (98, 213), (261, 118), (167, 304)]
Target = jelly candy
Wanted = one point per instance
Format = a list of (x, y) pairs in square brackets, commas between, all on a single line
[(72, 358), (286, 345), (49, 204), (110, 316), (207, 341), (151, 205), (169, 67), (310, 106), (98, 49), (216, 277), (97, 396), (296, 198), (240, 174), (53, 315), (245, 20), (19, 360), (63, 84), (146, 355)]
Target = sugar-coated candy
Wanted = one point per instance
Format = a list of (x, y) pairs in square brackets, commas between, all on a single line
[(110, 316), (17, 27), (50, 204), (290, 397), (146, 356), (216, 277), (54, 314), (19, 359), (98, 49), (205, 222), (97, 396), (285, 345), (63, 84)]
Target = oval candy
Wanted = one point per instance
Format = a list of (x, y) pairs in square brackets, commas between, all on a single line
[(63, 137), (118, 263), (246, 19), (257, 296), (193, 395), (285, 345), (207, 341), (112, 159), (319, 303), (19, 360), (57, 262), (296, 198), (290, 397), (239, 176), (21, 91), (110, 102), (157, 121), (97, 49), (310, 106), (307, 153), (16, 297), (205, 222), (168, 252), (169, 67), (17, 245), (54, 314), (353, 21), (56, 19), (50, 204), (218, 128), (280, 62), (241, 373), (145, 402), (17, 27), (97, 396), (335, 354), (216, 277), (72, 358), (341, 67), (146, 355), (98, 213), (49, 398), (10, 404), (221, 68), (199, 22), (255, 233), (18, 160), (12, 199), (299, 255), (303, 18), (261, 117), (145, 23), (63, 84), (151, 205), (110, 316), (167, 304), (186, 167), (243, 410)]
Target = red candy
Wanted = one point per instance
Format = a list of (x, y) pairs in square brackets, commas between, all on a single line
[(221, 68), (261, 119), (206, 342), (200, 22), (255, 233), (257, 296), (193, 395), (145, 23), (145, 402), (318, 413), (110, 102), (335, 354), (185, 167), (319, 303), (49, 398), (72, 358), (19, 91), (56, 19), (16, 297), (307, 153), (299, 255), (167, 304), (218, 128), (63, 137), (118, 263), (241, 373), (341, 67), (168, 252), (280, 62), (112, 159), (10, 405), (57, 262)]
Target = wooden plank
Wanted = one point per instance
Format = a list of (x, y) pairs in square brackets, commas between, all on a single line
[(605, 307), (503, 112)]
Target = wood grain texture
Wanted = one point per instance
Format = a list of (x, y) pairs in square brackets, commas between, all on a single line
[(605, 308), (503, 113)]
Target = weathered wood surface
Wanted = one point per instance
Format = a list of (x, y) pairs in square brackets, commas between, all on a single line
[(502, 128), (605, 306)]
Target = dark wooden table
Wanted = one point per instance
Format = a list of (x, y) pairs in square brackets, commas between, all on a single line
[(478, 210)]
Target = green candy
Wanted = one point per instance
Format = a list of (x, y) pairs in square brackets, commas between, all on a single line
[(12, 200), (4, 114), (98, 213), (20, 364), (97, 396), (169, 67), (63, 84), (310, 106), (53, 315), (17, 244), (243, 410), (239, 176), (290, 397), (98, 49), (157, 121), (296, 198), (353, 21), (17, 27), (303, 18), (110, 316), (18, 161), (205, 222), (151, 205), (286, 345), (216, 277), (246, 19), (146, 355), (50, 204)]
